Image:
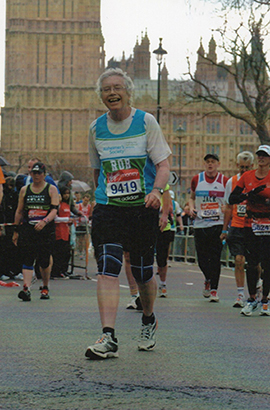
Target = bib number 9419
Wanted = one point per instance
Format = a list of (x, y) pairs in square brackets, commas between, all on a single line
[(124, 182)]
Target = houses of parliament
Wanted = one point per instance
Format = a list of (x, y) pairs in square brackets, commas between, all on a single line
[(54, 56)]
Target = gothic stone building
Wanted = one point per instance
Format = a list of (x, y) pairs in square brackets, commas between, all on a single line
[(193, 129), (54, 55)]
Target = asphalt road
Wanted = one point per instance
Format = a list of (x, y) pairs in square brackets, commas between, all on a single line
[(207, 356)]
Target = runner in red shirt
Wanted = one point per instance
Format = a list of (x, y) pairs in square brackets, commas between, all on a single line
[(256, 185)]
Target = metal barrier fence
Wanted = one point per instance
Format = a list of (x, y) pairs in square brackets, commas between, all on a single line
[(183, 249), (80, 242)]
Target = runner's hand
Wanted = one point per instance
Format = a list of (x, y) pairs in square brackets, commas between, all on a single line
[(256, 191), (152, 200), (40, 225)]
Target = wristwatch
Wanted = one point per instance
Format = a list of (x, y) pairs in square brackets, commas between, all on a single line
[(161, 190)]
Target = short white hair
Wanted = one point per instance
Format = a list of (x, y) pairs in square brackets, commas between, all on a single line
[(245, 156), (111, 72)]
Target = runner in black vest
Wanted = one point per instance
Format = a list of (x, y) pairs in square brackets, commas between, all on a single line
[(37, 208)]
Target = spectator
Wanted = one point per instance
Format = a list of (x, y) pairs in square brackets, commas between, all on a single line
[(81, 229), (78, 199), (65, 180), (2, 181), (11, 265), (61, 251)]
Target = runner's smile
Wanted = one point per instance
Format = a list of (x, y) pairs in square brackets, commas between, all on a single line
[(114, 95)]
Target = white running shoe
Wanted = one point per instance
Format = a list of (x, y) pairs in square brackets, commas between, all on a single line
[(250, 306), (132, 303), (162, 291), (19, 276), (4, 277), (148, 339), (207, 289), (240, 302), (214, 298), (104, 348), (265, 309)]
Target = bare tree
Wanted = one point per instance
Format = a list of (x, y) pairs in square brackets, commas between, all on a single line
[(238, 4), (249, 98)]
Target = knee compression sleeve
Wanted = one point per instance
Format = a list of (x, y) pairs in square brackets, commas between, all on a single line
[(142, 274), (28, 267), (109, 259)]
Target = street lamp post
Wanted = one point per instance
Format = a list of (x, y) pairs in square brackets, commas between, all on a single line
[(159, 55)]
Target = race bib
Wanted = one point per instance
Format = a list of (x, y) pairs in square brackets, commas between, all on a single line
[(241, 210), (210, 210), (123, 182), (36, 215), (261, 226)]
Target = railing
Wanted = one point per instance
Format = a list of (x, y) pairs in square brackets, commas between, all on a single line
[(183, 249)]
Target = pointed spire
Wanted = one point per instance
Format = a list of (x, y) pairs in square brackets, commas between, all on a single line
[(212, 49), (201, 51), (164, 71), (145, 39)]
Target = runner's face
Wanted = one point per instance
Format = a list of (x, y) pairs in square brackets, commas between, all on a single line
[(244, 166), (85, 201), (30, 165), (263, 160), (114, 94), (211, 166), (66, 196), (37, 177)]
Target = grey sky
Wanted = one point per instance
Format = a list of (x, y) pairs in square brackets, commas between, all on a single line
[(178, 22)]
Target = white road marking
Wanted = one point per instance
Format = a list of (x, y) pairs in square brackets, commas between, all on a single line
[(222, 275), (121, 286)]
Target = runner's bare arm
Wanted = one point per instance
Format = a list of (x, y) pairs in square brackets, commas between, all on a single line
[(162, 176), (191, 203), (52, 214), (96, 175)]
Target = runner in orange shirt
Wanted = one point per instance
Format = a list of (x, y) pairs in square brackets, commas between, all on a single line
[(234, 236), (256, 187)]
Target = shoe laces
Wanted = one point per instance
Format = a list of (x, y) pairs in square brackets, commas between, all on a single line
[(147, 330), (103, 339)]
